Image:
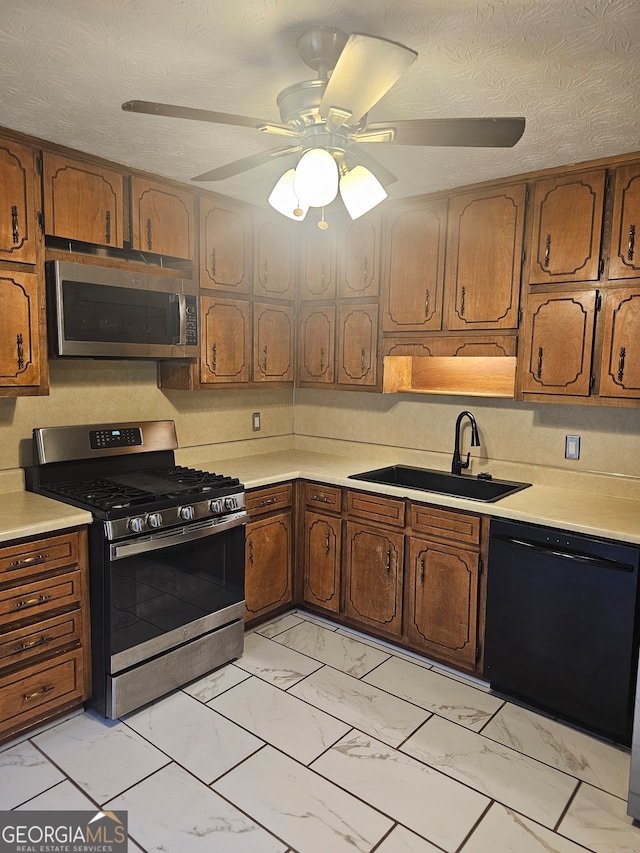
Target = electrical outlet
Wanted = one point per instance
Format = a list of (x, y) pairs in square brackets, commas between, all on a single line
[(572, 447), (255, 421)]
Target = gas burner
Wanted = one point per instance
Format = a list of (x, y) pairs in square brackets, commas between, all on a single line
[(101, 493), (192, 477)]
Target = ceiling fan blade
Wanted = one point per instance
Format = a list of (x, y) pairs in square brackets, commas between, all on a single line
[(171, 111), (244, 164), (457, 132), (365, 71), (360, 157)]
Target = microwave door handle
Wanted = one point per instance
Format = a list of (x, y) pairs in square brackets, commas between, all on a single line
[(176, 315)]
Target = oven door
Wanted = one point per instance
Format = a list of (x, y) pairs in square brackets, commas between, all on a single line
[(167, 588)]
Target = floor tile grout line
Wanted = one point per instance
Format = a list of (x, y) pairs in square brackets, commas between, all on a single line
[(485, 812)]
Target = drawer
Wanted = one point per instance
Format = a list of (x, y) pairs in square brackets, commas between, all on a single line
[(28, 641), (324, 498), (40, 688), (269, 499), (445, 525), (26, 559), (41, 596), (375, 507)]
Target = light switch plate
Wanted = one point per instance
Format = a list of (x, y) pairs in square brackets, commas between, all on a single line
[(572, 447), (255, 421)]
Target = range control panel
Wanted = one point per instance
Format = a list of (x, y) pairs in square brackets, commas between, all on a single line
[(99, 439)]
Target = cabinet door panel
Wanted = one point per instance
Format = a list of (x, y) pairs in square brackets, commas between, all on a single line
[(374, 559), (273, 343), (19, 194), (83, 202), (317, 264), (360, 275), (225, 242), (357, 345), (268, 561), (559, 343), (484, 256), (567, 226), (273, 272), (317, 344), (162, 219), (322, 553), (414, 269), (625, 242), (225, 354), (19, 330), (620, 374), (443, 601)]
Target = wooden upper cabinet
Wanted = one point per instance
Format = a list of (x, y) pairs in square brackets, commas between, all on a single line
[(19, 192), (19, 330), (273, 273), (273, 343), (484, 258), (225, 350), (225, 247), (316, 355), (414, 255), (357, 363), (317, 273), (620, 370), (359, 273), (624, 260), (567, 228), (162, 219), (83, 201), (558, 345)]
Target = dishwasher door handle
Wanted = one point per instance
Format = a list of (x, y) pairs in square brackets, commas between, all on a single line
[(597, 562)]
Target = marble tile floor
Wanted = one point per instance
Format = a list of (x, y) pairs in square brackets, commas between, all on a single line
[(322, 740)]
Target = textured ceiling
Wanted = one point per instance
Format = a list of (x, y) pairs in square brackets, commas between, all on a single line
[(571, 67)]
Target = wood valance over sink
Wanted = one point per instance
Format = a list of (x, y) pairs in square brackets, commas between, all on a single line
[(473, 376)]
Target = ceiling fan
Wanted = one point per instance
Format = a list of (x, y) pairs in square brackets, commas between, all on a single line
[(330, 112)]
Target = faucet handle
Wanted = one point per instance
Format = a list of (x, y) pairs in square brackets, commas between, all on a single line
[(466, 464)]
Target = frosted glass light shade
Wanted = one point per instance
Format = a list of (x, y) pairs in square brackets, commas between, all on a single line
[(285, 201), (316, 179), (361, 191)]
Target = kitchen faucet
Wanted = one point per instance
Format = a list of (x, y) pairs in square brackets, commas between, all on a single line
[(456, 463)]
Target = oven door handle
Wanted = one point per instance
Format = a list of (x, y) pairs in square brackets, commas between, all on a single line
[(177, 535)]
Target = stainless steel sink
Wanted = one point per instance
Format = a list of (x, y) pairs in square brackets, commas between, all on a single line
[(480, 488)]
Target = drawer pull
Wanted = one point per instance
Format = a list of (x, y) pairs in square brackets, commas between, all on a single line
[(42, 692), (29, 561), (268, 501), (30, 602), (321, 499), (41, 642)]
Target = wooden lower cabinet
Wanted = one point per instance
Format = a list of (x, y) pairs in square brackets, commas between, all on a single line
[(45, 658), (322, 560), (373, 569), (442, 601), (269, 551)]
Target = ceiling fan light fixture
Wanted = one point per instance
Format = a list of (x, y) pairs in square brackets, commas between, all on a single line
[(361, 191), (285, 201), (316, 178)]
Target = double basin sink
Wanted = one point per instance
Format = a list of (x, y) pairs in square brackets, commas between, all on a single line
[(480, 488)]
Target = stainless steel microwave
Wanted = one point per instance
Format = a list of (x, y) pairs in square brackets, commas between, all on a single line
[(103, 312)]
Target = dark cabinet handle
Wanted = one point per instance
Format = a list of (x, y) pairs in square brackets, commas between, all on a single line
[(547, 251), (251, 551), (422, 570), (214, 352), (326, 547), (213, 263), (621, 357), (632, 242), (462, 299), (365, 273), (28, 561), (388, 559), (108, 226), (23, 647), (426, 303), (20, 350), (264, 358), (321, 359), (15, 231), (149, 234), (362, 361), (539, 370)]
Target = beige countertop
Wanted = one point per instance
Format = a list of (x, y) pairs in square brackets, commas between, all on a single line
[(577, 510), (26, 514)]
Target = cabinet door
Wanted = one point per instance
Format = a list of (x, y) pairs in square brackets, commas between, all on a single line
[(19, 195), (567, 228), (414, 268), (373, 570), (268, 564), (358, 345), (225, 350), (273, 268), (484, 258), (19, 330), (360, 257), (316, 361), (83, 201), (162, 219), (273, 339), (620, 372), (559, 343), (322, 555), (497, 345), (317, 264), (225, 247), (624, 261), (442, 619)]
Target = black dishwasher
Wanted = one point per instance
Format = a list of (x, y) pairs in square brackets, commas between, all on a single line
[(561, 630)]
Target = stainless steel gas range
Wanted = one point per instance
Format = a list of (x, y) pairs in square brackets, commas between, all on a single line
[(166, 556)]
